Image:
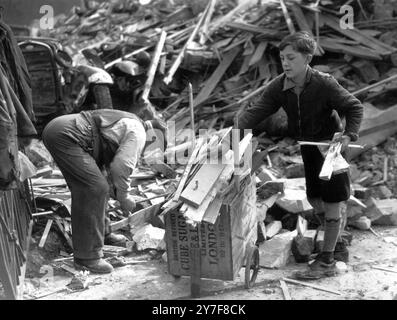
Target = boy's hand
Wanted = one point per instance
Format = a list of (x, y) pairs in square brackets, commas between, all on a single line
[(128, 203), (345, 140)]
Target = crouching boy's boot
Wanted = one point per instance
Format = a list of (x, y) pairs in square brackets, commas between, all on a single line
[(93, 265), (341, 253)]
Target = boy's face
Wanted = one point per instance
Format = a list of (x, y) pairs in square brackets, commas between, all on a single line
[(294, 63)]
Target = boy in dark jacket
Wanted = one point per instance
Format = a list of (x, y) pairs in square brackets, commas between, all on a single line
[(309, 98)]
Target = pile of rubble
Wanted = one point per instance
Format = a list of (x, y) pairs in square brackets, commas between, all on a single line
[(228, 51)]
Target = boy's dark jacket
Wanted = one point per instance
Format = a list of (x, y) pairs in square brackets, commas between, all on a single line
[(309, 115)]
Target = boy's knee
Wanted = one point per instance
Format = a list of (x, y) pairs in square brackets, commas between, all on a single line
[(101, 187), (333, 210)]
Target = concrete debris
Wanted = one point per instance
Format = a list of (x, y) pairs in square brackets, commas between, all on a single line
[(275, 252), (273, 228), (341, 267), (149, 237), (80, 281), (362, 223), (382, 212)]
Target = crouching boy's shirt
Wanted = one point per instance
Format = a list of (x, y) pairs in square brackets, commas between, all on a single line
[(309, 112)]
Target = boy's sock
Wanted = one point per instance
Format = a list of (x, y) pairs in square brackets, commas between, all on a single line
[(331, 234)]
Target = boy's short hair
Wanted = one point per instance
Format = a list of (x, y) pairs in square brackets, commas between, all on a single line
[(300, 41)]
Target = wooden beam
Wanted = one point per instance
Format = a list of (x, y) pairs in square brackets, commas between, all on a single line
[(311, 286), (201, 184), (188, 167), (355, 34), (384, 269), (181, 54), (204, 30), (140, 217), (259, 51), (357, 51), (153, 66), (222, 20), (191, 107), (212, 82), (284, 287), (62, 229), (287, 17), (367, 88), (45, 233)]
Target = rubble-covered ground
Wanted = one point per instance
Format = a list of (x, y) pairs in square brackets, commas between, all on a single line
[(147, 278)]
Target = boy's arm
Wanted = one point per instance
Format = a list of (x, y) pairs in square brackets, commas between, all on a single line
[(123, 164), (261, 108), (344, 102)]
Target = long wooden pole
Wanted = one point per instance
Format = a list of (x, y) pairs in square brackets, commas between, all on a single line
[(179, 59), (153, 66), (311, 286), (191, 106), (357, 92)]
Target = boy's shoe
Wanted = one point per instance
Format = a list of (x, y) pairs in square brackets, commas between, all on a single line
[(341, 253), (319, 268), (93, 265), (113, 239)]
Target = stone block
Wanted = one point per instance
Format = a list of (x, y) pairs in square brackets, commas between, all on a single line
[(149, 237)]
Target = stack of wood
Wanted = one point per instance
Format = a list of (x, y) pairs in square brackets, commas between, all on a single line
[(208, 175)]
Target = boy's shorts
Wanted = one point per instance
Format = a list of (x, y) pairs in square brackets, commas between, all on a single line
[(337, 189)]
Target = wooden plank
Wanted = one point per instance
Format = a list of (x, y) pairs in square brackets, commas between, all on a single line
[(205, 27), (372, 86), (311, 286), (375, 128), (384, 269), (49, 182), (212, 82), (61, 228), (252, 28), (196, 214), (355, 34), (188, 167), (259, 51), (287, 17), (284, 287), (181, 54), (196, 191), (153, 66), (137, 218), (358, 51), (45, 233), (222, 20), (213, 210), (191, 107)]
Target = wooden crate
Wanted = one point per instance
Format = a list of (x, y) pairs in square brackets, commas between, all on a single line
[(222, 245)]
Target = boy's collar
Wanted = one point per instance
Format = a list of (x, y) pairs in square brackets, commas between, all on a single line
[(289, 84)]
